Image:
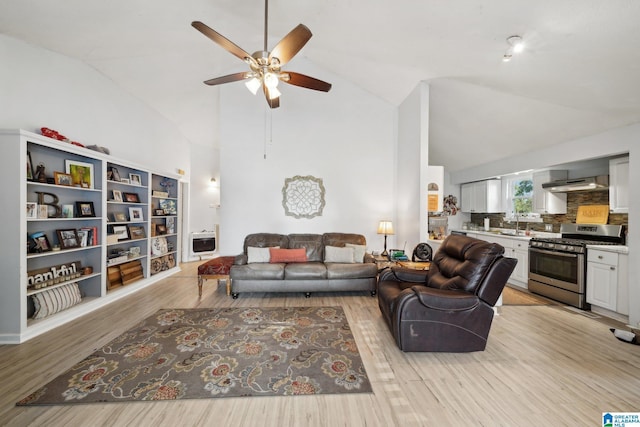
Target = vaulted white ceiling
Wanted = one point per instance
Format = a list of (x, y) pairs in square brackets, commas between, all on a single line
[(578, 75)]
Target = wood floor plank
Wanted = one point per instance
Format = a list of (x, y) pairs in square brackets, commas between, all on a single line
[(542, 365)]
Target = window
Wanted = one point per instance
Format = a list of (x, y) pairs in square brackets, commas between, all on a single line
[(521, 194)]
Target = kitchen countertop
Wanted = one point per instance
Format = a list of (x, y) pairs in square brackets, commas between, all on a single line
[(619, 249)]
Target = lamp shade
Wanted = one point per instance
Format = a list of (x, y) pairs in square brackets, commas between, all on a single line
[(385, 227)]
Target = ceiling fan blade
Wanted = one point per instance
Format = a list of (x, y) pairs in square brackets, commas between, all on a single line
[(226, 79), (301, 80), (273, 103), (291, 44), (221, 40)]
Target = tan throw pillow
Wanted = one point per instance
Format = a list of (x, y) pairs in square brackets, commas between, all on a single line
[(358, 251), (54, 300), (255, 254), (337, 254)]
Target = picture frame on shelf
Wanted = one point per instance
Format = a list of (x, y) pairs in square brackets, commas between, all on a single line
[(121, 232), (159, 212), (40, 242), (136, 232), (135, 179), (61, 178), (136, 214), (161, 229), (67, 211), (131, 197), (30, 172), (125, 180), (135, 251), (85, 209), (81, 173), (68, 238), (171, 225), (83, 236), (120, 217), (115, 175), (169, 206), (43, 211), (32, 210), (157, 193), (117, 196)]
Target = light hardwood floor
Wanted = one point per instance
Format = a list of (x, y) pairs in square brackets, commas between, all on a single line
[(544, 365)]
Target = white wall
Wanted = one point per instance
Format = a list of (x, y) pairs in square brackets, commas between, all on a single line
[(345, 136), (412, 168), (615, 141), (40, 88)]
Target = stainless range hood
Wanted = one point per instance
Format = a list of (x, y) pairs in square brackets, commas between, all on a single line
[(591, 183)]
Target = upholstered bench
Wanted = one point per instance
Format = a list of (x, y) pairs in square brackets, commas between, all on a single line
[(216, 268)]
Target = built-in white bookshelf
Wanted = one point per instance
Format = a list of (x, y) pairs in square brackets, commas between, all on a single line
[(73, 217)]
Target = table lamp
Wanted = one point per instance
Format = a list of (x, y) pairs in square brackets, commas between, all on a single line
[(385, 227)]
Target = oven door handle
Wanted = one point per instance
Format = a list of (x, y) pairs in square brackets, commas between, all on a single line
[(554, 253)]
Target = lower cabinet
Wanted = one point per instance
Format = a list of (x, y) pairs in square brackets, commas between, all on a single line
[(607, 280), (517, 248)]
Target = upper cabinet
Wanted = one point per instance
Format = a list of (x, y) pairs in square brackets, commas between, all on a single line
[(546, 202), (619, 185), (482, 196)]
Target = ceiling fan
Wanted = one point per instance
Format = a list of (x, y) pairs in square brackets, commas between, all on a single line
[(266, 66)]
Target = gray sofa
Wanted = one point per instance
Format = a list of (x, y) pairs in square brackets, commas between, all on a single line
[(314, 275)]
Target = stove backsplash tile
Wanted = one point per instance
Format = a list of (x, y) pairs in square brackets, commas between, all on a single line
[(574, 199)]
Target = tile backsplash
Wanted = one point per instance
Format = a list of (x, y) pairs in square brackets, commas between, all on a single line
[(574, 199)]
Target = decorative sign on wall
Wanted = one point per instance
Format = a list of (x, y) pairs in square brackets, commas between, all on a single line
[(303, 196)]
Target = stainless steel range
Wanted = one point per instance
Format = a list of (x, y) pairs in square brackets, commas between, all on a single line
[(558, 267)]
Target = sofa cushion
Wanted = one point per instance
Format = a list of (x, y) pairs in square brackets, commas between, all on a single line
[(351, 271), (258, 254), (339, 239), (265, 240), (287, 255), (312, 244), (257, 272), (358, 251), (305, 271), (336, 254)]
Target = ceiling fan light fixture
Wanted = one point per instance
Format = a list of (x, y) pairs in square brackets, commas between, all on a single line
[(274, 93), (253, 85), (270, 80)]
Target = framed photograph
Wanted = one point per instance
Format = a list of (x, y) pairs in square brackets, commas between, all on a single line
[(32, 210), (171, 225), (125, 181), (61, 178), (68, 239), (121, 231), (40, 242), (83, 236), (81, 173), (136, 215), (161, 229), (169, 206), (43, 211), (135, 179), (30, 173), (117, 195), (131, 197), (67, 211), (159, 212), (85, 209), (120, 217), (115, 175), (136, 232)]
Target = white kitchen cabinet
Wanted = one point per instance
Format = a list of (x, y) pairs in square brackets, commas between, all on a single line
[(517, 248), (546, 202), (602, 279), (482, 196), (619, 185)]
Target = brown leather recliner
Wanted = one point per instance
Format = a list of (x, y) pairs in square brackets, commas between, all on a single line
[(449, 307)]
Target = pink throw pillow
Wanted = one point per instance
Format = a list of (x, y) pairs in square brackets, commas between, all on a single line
[(287, 255)]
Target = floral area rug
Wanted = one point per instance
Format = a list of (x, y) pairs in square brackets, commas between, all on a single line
[(211, 353)]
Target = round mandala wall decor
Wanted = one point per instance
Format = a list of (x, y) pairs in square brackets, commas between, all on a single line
[(303, 196)]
